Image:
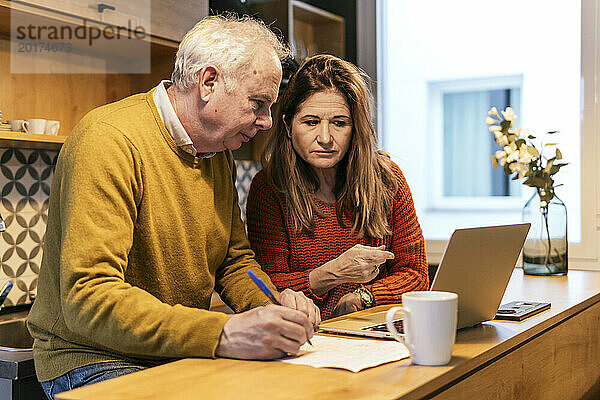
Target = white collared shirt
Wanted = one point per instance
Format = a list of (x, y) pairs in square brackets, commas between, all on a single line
[(172, 122)]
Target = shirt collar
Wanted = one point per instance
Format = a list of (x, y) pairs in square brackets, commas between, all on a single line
[(172, 122)]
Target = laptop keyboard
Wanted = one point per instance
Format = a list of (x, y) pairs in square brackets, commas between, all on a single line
[(398, 323)]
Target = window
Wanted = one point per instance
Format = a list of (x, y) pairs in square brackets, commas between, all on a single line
[(440, 71), (462, 142)]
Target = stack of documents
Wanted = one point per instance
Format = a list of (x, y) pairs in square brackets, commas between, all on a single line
[(351, 354)]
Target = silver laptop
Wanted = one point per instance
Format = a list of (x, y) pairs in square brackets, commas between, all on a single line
[(477, 265)]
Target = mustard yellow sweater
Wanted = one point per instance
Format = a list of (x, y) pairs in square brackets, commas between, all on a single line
[(139, 234)]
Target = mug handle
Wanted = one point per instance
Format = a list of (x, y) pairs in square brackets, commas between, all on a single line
[(401, 337), (25, 126)]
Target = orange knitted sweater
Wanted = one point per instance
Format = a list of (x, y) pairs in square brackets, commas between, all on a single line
[(288, 256)]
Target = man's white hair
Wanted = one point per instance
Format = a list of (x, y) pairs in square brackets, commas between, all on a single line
[(227, 42)]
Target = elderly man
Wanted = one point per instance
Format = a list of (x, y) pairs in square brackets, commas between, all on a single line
[(143, 223)]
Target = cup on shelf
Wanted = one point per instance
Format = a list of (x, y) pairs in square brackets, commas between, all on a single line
[(52, 127), (35, 125), (17, 125), (429, 323)]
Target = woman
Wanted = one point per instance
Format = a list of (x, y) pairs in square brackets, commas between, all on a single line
[(329, 215)]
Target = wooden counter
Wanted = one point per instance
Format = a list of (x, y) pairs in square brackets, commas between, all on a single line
[(553, 355)]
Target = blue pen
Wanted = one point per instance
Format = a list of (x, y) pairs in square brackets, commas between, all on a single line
[(265, 289)]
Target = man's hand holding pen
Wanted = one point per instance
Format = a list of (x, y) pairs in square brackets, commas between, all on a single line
[(272, 331)]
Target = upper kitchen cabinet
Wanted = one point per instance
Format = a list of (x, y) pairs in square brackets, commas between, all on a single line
[(315, 31), (47, 71), (166, 19), (309, 29)]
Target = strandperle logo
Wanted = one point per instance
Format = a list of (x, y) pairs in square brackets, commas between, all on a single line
[(83, 32), (81, 45)]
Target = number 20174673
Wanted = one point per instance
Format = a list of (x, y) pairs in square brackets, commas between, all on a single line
[(44, 47)]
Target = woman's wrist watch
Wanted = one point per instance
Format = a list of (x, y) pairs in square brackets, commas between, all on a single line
[(366, 296)]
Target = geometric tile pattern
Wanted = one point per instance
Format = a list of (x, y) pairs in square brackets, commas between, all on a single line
[(246, 169), (25, 178)]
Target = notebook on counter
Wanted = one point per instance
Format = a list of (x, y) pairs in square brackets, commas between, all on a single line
[(477, 265)]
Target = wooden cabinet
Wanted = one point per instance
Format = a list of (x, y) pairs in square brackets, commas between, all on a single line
[(65, 89), (309, 29), (315, 31), (171, 19), (114, 12), (167, 19)]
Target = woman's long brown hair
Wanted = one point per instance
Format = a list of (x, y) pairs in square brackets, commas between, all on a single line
[(365, 183)]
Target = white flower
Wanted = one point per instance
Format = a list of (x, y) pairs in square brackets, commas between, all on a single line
[(501, 139), (543, 203), (519, 167), (494, 128), (514, 156), (510, 148), (490, 121), (509, 114), (523, 171), (515, 167), (524, 155), (521, 132), (501, 157)]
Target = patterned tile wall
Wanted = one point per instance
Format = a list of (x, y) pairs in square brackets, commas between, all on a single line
[(26, 176), (25, 181), (245, 172)]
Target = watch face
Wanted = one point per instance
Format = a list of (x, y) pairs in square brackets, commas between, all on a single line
[(365, 296)]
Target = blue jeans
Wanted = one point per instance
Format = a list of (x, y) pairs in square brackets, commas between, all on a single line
[(87, 375)]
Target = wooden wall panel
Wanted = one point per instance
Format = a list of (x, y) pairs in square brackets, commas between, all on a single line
[(562, 365)]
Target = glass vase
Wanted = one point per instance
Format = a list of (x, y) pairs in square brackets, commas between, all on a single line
[(546, 248)]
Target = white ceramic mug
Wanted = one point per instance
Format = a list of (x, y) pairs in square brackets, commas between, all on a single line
[(17, 125), (52, 127), (429, 325), (35, 125)]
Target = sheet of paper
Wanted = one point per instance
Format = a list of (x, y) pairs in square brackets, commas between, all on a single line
[(351, 354)]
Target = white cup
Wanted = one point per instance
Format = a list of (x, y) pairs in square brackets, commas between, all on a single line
[(429, 325), (52, 127), (35, 125), (17, 125)]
